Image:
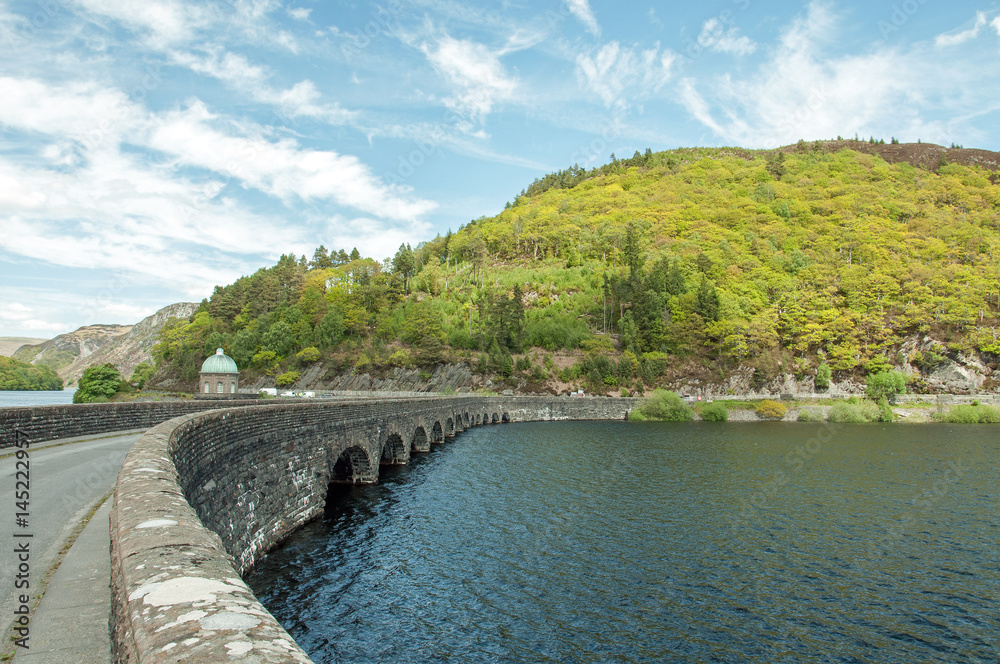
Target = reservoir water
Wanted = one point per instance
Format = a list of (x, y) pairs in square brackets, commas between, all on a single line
[(15, 398), (657, 542)]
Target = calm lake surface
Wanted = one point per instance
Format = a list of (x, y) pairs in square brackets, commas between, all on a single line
[(13, 398), (656, 542)]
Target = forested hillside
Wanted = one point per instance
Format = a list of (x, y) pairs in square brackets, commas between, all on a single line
[(812, 258), (15, 375)]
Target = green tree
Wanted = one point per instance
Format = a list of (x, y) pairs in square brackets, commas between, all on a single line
[(279, 339), (331, 329), (885, 385), (404, 264), (321, 259), (98, 384), (707, 302), (823, 376), (142, 373)]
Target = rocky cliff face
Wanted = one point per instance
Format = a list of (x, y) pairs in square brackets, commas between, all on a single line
[(124, 346)]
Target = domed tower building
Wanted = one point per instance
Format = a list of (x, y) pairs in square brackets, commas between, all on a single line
[(219, 376)]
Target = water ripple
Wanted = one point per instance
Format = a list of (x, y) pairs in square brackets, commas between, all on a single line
[(618, 542)]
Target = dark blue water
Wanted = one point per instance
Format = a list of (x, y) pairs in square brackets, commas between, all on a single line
[(14, 398), (646, 542)]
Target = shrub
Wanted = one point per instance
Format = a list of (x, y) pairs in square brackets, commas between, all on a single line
[(666, 406), (400, 358), (715, 412), (523, 363), (823, 375), (143, 372), (885, 385), (810, 415), (636, 415), (860, 411), (308, 355), (288, 378), (459, 338), (771, 410), (98, 384), (886, 413), (971, 415)]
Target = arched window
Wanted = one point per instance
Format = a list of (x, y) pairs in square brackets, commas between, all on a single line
[(220, 388), (207, 390), (232, 387)]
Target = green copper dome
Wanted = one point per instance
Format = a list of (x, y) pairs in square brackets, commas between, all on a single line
[(219, 363)]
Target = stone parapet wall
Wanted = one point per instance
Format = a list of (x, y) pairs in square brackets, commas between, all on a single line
[(202, 497), (41, 423)]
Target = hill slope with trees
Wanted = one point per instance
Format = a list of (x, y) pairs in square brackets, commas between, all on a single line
[(816, 260)]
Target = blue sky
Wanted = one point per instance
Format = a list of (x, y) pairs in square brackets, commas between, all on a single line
[(151, 149)]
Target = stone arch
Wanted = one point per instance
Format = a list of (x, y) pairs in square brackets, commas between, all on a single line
[(393, 451), (495, 419), (505, 417), (420, 442), (465, 418), (437, 433), (449, 427), (353, 467)]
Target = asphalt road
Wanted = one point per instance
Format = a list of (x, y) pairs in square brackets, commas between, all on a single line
[(66, 481)]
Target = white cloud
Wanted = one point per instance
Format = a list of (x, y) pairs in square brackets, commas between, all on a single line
[(14, 315), (302, 99), (715, 36), (613, 70), (280, 168), (167, 21), (581, 9), (94, 195), (300, 13), (995, 23), (476, 72), (964, 36), (802, 92)]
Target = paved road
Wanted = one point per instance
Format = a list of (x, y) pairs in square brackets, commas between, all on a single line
[(66, 482)]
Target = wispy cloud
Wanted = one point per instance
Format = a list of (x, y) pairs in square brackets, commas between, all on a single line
[(614, 70), (302, 99), (716, 37), (166, 22), (581, 9), (801, 91), (954, 39), (476, 73)]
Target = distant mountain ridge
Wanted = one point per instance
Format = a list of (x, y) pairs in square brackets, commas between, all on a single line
[(125, 346), (10, 344)]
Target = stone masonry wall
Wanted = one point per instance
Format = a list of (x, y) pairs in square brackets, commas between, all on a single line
[(41, 423), (202, 497)]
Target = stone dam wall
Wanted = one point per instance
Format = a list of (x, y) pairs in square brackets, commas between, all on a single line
[(41, 423), (202, 497)]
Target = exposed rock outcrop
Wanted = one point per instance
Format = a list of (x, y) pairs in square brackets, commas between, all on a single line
[(124, 346)]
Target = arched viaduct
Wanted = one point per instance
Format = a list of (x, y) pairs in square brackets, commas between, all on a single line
[(200, 498)]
